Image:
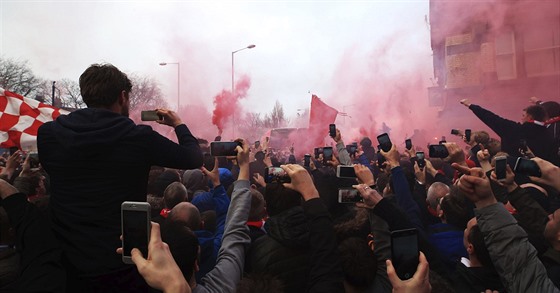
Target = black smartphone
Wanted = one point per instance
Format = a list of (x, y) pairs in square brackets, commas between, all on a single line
[(317, 152), (135, 228), (257, 144), (351, 149), (384, 142), (500, 167), (467, 135), (223, 148), (408, 144), (332, 130), (380, 159), (327, 154), (276, 175), (421, 159), (523, 145), (404, 252), (150, 116), (455, 131), (438, 151), (527, 167), (345, 172), (306, 160), (349, 195)]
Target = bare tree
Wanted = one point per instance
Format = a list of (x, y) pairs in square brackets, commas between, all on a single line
[(276, 118), (17, 77), (145, 93)]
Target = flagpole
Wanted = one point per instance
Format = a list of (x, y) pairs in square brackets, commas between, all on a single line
[(53, 87)]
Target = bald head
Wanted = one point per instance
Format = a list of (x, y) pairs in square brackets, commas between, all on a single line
[(174, 194), (186, 213), (436, 191)]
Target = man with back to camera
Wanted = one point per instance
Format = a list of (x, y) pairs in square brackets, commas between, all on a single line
[(97, 158)]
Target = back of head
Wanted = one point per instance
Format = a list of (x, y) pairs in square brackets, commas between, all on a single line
[(183, 245), (259, 156), (194, 180), (456, 208), (436, 191), (102, 84), (174, 194), (494, 146), (537, 112), (476, 238), (551, 108), (481, 137), (163, 180), (358, 262), (257, 211), (186, 213), (279, 198)]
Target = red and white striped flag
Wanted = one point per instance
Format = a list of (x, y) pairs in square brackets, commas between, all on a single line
[(20, 119)]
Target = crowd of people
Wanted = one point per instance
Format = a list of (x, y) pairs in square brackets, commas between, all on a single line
[(220, 224)]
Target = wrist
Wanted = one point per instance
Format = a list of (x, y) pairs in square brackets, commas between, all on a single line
[(485, 202), (310, 194)]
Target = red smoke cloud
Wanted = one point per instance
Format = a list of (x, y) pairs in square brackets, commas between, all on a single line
[(227, 103)]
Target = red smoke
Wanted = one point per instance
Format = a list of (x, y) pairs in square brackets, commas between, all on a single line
[(227, 104)]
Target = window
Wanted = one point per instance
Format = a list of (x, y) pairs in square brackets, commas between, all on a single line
[(542, 50), (505, 56)]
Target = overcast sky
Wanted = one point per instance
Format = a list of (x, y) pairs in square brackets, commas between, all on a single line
[(328, 48)]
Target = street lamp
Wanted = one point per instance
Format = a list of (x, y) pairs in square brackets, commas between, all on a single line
[(178, 79), (233, 79)]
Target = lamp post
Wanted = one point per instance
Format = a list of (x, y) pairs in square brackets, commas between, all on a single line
[(233, 80), (178, 80)]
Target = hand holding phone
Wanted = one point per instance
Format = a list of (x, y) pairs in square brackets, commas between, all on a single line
[(467, 135), (150, 116), (438, 151), (421, 160), (384, 142), (224, 148), (327, 154), (332, 130), (404, 252), (276, 175), (135, 228), (500, 168)]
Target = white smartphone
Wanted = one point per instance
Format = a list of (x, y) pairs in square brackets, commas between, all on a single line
[(345, 171), (135, 228)]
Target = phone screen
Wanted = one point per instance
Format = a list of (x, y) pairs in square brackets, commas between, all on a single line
[(349, 195), (345, 171), (467, 135), (306, 160), (149, 116), (317, 152), (384, 142), (500, 168), (332, 130), (438, 151), (135, 232), (327, 153), (257, 144), (408, 144), (404, 252), (421, 159), (276, 175), (527, 167), (223, 148)]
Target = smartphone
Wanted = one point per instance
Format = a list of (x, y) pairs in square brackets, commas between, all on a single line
[(438, 151), (306, 160), (349, 195), (257, 144), (327, 154), (384, 142), (351, 149), (33, 159), (13, 150), (276, 175), (135, 228), (380, 159), (345, 172), (421, 159), (317, 152), (150, 116), (523, 145), (408, 144), (223, 148), (455, 131), (404, 252), (527, 167), (332, 130), (467, 135), (500, 167)]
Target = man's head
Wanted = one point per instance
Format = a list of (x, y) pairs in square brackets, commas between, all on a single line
[(258, 210), (454, 209), (534, 112), (183, 245), (358, 262), (279, 198), (473, 240), (259, 156), (174, 194), (105, 86), (552, 109), (186, 213), (552, 230), (436, 191), (481, 137)]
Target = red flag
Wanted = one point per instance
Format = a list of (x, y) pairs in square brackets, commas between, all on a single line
[(320, 116), (20, 119)]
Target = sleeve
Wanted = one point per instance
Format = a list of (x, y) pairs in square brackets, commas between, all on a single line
[(498, 124), (531, 217), (514, 258), (185, 155), (382, 250), (231, 258), (404, 197), (343, 155)]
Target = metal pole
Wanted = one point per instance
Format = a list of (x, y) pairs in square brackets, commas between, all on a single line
[(178, 85), (52, 102), (232, 93)]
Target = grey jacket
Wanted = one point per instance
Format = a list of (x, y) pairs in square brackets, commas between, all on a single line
[(514, 258), (231, 257)]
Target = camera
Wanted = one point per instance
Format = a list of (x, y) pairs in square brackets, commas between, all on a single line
[(150, 116), (224, 148), (276, 175), (349, 195), (438, 151)]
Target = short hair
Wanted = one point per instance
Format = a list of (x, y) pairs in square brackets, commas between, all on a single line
[(174, 194), (537, 112), (365, 142), (102, 84), (359, 263), (551, 108), (259, 156), (183, 245), (436, 191), (476, 238), (258, 211), (279, 198), (481, 137), (456, 208), (494, 146), (186, 213)]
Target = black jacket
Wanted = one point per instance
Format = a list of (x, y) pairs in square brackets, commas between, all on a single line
[(476, 279), (96, 159)]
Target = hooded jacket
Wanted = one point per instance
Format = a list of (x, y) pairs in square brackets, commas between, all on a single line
[(97, 159)]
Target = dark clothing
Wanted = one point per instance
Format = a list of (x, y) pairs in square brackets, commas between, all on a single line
[(448, 241), (551, 261), (537, 137), (476, 279), (40, 266), (97, 159)]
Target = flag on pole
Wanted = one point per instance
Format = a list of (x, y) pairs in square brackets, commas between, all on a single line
[(20, 119), (320, 116)]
